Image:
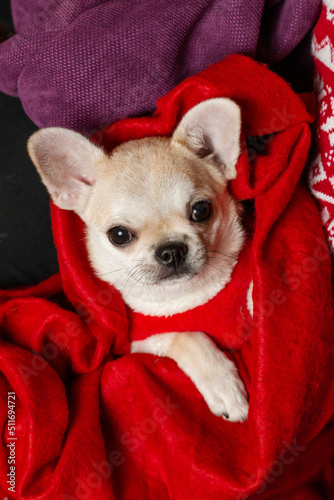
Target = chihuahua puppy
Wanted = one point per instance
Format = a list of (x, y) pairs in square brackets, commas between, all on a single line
[(161, 227)]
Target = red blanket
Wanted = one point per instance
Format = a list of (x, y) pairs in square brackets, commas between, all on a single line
[(95, 422)]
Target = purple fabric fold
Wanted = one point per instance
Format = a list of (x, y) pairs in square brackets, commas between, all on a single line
[(83, 64)]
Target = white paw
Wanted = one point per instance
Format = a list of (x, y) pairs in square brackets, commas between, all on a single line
[(223, 390)]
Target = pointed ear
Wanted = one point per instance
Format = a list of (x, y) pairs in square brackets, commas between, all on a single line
[(211, 130), (66, 162)]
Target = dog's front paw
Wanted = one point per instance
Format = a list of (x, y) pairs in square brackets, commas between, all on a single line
[(222, 389), (225, 395)]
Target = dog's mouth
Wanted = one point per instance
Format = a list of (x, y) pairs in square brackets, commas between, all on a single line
[(175, 274), (160, 276), (183, 272)]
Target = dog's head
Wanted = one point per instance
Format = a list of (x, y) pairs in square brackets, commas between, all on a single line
[(161, 225)]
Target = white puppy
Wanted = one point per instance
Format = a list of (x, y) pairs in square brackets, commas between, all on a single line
[(161, 227)]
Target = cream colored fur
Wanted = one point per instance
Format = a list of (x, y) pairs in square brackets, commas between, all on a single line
[(149, 186)]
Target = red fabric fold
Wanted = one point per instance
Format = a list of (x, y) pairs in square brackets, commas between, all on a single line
[(93, 421)]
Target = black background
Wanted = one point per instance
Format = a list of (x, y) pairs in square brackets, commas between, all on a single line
[(27, 252)]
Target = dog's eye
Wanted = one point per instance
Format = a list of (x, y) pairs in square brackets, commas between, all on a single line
[(201, 211), (119, 235)]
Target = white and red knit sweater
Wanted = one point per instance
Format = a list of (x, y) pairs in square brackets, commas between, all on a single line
[(322, 170)]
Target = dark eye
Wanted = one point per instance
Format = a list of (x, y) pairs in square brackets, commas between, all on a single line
[(119, 235), (201, 211)]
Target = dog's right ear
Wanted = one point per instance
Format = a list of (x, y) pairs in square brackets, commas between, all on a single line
[(68, 165), (211, 130)]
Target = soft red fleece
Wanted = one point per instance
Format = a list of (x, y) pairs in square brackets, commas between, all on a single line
[(95, 422)]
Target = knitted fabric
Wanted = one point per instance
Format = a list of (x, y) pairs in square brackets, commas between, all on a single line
[(84, 64), (322, 171)]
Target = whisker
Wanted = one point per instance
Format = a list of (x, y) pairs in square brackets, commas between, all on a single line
[(225, 254), (134, 275), (111, 272)]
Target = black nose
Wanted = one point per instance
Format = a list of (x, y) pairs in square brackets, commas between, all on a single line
[(172, 255)]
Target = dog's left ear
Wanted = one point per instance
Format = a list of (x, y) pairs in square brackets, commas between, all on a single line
[(68, 164), (212, 130)]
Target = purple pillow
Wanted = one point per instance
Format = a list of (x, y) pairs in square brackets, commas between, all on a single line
[(83, 64)]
